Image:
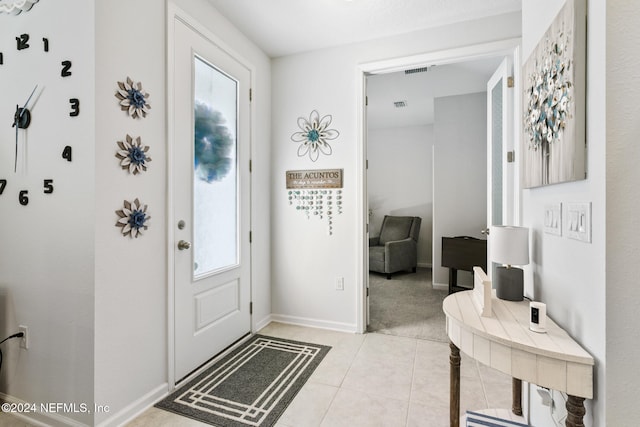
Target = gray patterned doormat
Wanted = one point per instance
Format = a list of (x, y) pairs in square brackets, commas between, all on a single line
[(251, 386)]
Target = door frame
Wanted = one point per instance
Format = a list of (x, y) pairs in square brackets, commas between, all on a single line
[(173, 13), (507, 47)]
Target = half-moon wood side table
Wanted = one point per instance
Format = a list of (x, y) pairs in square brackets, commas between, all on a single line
[(505, 343)]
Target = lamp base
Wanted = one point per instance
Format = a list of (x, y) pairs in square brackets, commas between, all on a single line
[(509, 283)]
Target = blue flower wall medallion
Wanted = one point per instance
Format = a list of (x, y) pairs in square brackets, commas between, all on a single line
[(133, 99), (133, 218), (214, 144), (314, 135), (133, 155)]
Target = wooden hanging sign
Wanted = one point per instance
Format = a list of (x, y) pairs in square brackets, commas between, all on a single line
[(318, 178)]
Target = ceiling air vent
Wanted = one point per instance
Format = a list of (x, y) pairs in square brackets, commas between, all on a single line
[(400, 104), (417, 70)]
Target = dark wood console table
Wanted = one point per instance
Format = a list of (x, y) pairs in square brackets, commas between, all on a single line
[(462, 253)]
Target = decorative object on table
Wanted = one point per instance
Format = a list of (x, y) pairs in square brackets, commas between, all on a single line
[(509, 246), (15, 7), (482, 292), (317, 193), (538, 317), (214, 144), (133, 155), (133, 99), (251, 386), (133, 218), (553, 102), (314, 135)]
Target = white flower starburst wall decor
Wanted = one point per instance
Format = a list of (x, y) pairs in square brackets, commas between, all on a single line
[(314, 135), (133, 155), (133, 218), (133, 99)]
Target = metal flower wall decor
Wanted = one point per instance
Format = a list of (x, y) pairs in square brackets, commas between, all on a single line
[(314, 135), (549, 93), (133, 99), (133, 155), (133, 218)]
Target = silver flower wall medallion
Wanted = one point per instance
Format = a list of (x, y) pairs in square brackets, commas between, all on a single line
[(314, 135), (133, 155), (133, 99), (133, 218)]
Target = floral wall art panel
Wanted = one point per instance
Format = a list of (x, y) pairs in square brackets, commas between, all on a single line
[(554, 143)]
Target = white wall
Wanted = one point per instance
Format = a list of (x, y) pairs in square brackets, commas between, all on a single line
[(459, 174), (131, 275), (47, 250), (306, 260), (568, 275), (399, 179), (623, 221)]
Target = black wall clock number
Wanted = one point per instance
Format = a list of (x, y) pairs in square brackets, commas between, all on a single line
[(66, 153), (45, 42), (23, 197), (22, 41), (66, 67), (1, 59), (48, 186), (75, 107), (3, 183)]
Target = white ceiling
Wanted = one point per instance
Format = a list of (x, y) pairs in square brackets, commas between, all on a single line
[(419, 90), (284, 27)]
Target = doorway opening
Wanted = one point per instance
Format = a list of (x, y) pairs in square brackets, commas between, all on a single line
[(399, 170)]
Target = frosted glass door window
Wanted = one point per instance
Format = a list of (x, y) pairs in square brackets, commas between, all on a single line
[(496, 147), (215, 188)]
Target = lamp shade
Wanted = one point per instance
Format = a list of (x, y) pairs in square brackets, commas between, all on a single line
[(509, 245)]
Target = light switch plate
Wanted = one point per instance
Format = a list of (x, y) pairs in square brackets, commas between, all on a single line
[(578, 221), (553, 219)]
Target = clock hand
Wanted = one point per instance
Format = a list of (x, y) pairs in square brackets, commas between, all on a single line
[(16, 123), (15, 163), (20, 112)]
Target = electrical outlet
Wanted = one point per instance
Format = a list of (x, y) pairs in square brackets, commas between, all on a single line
[(339, 283), (24, 341)]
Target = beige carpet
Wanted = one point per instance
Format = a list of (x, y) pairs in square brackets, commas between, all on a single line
[(407, 306)]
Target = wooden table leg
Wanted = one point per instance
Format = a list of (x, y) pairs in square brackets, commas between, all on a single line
[(516, 387), (575, 411), (454, 386)]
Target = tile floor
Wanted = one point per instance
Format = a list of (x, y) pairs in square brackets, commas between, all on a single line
[(374, 380)]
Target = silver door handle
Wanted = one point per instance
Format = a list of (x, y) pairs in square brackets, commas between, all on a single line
[(182, 245), (485, 231)]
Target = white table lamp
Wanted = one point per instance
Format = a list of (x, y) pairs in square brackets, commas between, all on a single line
[(509, 246)]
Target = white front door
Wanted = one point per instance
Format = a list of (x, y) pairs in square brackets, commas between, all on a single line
[(211, 195), (499, 143)]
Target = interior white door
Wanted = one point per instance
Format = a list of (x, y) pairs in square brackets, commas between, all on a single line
[(211, 195), (499, 143)]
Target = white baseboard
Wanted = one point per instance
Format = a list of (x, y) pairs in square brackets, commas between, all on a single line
[(314, 323), (137, 407), (262, 323), (441, 286)]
